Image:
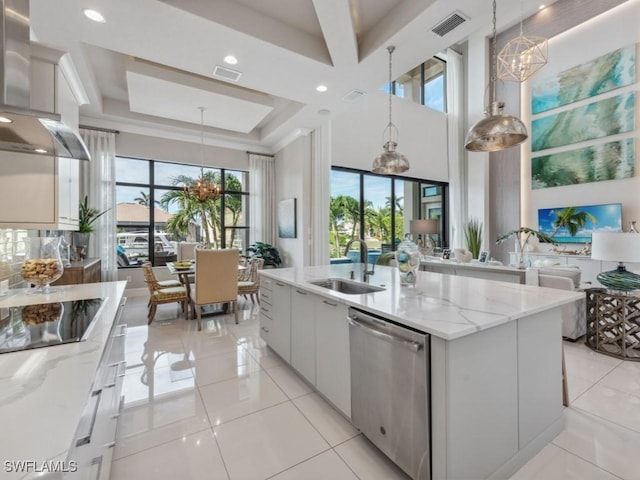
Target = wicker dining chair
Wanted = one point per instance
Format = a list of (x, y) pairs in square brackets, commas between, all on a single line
[(159, 294), (251, 285)]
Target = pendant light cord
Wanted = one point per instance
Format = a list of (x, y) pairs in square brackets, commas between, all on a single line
[(390, 49), (202, 141)]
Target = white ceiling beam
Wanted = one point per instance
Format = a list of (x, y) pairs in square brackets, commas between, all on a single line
[(339, 33)]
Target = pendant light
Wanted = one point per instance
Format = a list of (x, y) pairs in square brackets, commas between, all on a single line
[(522, 57), (203, 189), (390, 162), (497, 131)]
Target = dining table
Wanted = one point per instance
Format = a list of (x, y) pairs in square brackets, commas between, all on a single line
[(183, 273)]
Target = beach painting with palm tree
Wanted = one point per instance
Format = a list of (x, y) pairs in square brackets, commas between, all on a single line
[(576, 224)]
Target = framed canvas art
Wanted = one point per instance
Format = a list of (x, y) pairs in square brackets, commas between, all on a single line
[(287, 218)]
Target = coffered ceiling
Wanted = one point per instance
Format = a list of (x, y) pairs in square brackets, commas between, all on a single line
[(151, 65)]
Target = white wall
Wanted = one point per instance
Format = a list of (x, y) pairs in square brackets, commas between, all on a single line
[(357, 135), (610, 31), (293, 180), (163, 149)]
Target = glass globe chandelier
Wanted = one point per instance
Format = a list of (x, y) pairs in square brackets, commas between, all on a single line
[(497, 131), (203, 189), (390, 161)]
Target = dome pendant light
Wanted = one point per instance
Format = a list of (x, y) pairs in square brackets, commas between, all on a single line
[(203, 189), (390, 162), (497, 131)]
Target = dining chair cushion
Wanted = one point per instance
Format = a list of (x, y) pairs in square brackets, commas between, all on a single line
[(169, 283), (242, 285), (169, 293)]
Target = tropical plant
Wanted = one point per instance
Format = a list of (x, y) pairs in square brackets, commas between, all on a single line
[(572, 219), (268, 252), (143, 199), (87, 216), (473, 236), (523, 235)]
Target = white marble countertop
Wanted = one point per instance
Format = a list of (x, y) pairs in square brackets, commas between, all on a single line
[(43, 391), (446, 306)]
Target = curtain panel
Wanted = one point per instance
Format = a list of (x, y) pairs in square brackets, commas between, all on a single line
[(262, 205), (98, 183), (455, 138)]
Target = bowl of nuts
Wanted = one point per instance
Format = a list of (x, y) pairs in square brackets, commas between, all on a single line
[(42, 264)]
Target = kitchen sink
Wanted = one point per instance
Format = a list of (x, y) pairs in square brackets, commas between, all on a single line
[(345, 286)]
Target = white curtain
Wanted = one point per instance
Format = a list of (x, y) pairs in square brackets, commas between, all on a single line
[(99, 184), (262, 203), (457, 166)]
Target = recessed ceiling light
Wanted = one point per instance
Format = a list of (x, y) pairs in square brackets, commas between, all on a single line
[(322, 88), (40, 150), (94, 15), (5, 120), (541, 7), (230, 59)]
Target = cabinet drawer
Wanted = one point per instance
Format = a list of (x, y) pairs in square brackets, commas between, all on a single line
[(266, 283), (266, 297), (266, 325)]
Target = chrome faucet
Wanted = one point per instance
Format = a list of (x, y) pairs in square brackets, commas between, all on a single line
[(363, 246)]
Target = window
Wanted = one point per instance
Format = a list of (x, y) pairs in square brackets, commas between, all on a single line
[(151, 205), (425, 84), (377, 208)]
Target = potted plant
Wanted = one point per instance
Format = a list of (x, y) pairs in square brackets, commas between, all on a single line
[(267, 252), (523, 235), (473, 236), (87, 216)]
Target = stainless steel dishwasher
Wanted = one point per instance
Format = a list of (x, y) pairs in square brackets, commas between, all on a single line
[(390, 390)]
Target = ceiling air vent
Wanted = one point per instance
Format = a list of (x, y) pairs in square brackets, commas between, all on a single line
[(226, 73), (353, 95), (452, 21)]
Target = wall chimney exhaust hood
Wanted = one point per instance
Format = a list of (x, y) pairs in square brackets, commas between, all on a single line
[(23, 129)]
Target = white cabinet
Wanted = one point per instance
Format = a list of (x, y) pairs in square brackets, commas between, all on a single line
[(95, 436), (280, 334), (303, 335), (36, 191), (333, 365), (266, 308)]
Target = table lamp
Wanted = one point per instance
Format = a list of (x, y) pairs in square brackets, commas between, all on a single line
[(426, 228), (617, 247)]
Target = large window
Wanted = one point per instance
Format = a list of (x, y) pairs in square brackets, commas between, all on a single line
[(154, 214), (378, 209)]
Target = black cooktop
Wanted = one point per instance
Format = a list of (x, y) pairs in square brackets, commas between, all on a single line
[(46, 324)]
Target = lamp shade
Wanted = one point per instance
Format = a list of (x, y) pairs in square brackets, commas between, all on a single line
[(615, 246), (422, 227)]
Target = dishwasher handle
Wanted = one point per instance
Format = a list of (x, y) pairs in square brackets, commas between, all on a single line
[(415, 347)]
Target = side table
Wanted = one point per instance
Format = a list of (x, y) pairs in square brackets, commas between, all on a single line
[(613, 324)]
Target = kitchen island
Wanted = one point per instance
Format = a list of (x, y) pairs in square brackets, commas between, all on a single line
[(495, 386), (44, 391)]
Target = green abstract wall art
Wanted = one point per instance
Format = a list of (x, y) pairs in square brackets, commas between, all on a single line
[(608, 72), (608, 161), (595, 120)]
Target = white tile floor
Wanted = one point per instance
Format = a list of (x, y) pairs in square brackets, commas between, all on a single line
[(218, 404)]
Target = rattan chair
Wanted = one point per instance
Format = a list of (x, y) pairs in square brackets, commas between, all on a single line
[(251, 285), (216, 280), (160, 294)]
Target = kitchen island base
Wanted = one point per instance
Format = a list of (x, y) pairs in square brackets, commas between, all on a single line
[(495, 359)]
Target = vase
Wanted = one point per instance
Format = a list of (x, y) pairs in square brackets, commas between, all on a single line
[(522, 255), (42, 264), (408, 261)]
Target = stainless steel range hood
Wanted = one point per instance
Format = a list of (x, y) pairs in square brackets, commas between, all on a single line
[(21, 128)]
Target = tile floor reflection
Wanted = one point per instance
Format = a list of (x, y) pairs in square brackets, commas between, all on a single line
[(218, 404)]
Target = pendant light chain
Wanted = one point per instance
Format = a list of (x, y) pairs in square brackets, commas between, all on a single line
[(494, 56), (202, 141)]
